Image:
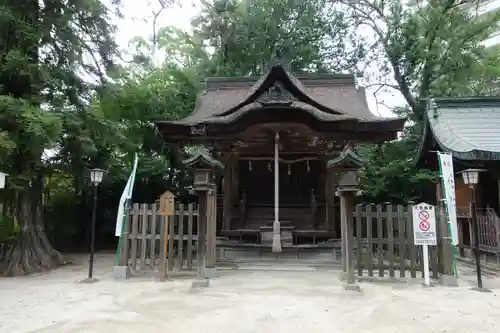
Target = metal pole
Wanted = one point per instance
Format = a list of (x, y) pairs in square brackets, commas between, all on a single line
[(92, 233), (475, 225)]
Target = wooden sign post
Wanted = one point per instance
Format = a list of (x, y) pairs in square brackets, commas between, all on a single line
[(167, 207)]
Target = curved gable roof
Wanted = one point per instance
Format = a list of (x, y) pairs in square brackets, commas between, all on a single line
[(330, 95), (468, 128)]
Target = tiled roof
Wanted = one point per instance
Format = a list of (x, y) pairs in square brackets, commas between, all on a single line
[(335, 92), (468, 128)]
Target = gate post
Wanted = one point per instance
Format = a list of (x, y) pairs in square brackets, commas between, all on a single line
[(347, 191), (204, 166)]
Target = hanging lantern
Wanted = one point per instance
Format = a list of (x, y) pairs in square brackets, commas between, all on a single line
[(308, 166), (249, 165)]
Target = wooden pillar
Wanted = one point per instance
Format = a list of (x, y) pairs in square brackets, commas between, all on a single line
[(330, 200), (227, 192), (235, 179), (211, 233), (498, 185), (202, 232)]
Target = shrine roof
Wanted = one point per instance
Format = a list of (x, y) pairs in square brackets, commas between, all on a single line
[(468, 128), (321, 98), (337, 92)]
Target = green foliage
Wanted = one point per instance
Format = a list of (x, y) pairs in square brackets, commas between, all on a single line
[(312, 35), (391, 175), (425, 49)]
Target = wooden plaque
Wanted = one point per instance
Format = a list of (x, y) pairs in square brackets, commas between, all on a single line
[(167, 201)]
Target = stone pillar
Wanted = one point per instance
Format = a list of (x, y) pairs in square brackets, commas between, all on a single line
[(347, 191), (210, 270), (346, 206), (201, 243), (343, 233), (204, 166)]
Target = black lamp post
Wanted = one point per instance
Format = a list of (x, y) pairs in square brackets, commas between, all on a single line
[(96, 176), (471, 178)]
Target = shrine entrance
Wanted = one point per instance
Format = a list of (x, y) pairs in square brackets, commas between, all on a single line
[(299, 180)]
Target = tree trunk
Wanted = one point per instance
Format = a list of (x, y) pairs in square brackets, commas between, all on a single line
[(31, 252)]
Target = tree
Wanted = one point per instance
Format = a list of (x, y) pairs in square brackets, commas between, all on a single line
[(423, 50), (390, 174), (42, 68), (313, 35)]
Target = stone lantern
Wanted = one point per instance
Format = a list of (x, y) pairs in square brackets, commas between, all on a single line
[(348, 163), (204, 166)]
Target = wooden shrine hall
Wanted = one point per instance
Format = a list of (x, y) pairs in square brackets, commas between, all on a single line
[(280, 138)]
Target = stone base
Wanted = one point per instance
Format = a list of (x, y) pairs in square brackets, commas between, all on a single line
[(88, 280), (352, 287), (121, 272), (211, 272), (481, 290), (448, 280), (162, 277), (200, 283)]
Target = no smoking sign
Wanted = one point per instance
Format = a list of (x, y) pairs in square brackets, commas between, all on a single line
[(424, 224)]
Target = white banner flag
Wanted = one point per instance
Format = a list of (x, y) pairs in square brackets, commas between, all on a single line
[(126, 196), (448, 183)]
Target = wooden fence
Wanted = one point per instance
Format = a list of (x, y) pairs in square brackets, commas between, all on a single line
[(383, 239), (382, 234), (143, 247)]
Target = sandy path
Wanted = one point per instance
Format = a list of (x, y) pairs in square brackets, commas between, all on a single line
[(242, 302)]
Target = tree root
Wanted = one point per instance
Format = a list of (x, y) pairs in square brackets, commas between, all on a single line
[(29, 256)]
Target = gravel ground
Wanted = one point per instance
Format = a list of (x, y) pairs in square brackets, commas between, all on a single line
[(242, 301)]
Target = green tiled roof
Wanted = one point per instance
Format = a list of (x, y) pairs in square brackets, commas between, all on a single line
[(468, 128)]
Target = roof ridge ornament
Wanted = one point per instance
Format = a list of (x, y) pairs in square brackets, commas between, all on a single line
[(280, 58), (276, 94), (433, 106)]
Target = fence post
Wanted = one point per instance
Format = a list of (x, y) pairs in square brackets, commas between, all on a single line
[(163, 248)]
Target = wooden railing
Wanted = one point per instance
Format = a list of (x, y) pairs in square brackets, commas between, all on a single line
[(489, 230)]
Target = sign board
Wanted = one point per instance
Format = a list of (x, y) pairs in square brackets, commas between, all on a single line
[(167, 206), (448, 183), (424, 224)]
